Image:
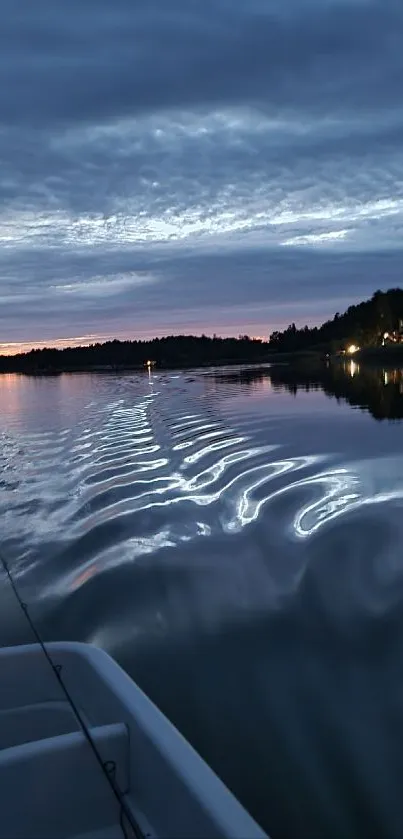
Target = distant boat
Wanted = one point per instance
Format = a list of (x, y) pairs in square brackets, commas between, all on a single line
[(85, 754)]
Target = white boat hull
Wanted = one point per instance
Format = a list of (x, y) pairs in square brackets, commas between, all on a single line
[(51, 784)]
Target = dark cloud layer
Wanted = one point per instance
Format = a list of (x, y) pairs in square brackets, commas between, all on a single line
[(92, 59), (166, 165)]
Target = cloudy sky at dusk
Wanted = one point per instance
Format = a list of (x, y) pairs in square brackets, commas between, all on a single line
[(196, 165)]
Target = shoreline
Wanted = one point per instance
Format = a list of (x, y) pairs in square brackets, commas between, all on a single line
[(389, 356)]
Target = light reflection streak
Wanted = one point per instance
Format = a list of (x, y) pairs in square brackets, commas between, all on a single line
[(126, 447), (213, 447), (114, 485), (187, 421), (183, 430), (112, 557), (248, 509), (271, 471), (336, 501), (209, 476), (103, 466), (195, 440), (131, 468), (354, 368)]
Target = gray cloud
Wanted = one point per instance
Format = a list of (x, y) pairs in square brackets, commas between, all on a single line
[(227, 291), (214, 166), (89, 60)]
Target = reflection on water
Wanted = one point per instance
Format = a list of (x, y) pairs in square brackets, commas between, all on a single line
[(377, 390), (232, 537)]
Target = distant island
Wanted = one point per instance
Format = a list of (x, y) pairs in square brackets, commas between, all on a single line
[(370, 325), (373, 328)]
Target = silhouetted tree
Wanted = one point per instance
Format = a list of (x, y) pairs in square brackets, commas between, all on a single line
[(362, 324)]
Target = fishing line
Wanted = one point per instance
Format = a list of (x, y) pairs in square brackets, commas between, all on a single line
[(108, 767)]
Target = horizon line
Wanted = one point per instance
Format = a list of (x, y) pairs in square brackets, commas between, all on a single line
[(11, 348)]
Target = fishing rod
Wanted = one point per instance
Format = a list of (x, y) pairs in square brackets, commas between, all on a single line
[(108, 767)]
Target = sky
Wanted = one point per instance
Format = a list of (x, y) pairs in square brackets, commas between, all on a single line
[(196, 165)]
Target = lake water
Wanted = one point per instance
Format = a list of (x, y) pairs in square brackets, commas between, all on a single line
[(234, 538)]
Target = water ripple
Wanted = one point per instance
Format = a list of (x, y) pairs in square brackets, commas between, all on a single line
[(240, 556), (67, 484)]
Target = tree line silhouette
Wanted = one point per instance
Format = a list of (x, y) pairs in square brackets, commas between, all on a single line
[(172, 351), (363, 324)]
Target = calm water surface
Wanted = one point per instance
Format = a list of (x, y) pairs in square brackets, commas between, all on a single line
[(234, 539)]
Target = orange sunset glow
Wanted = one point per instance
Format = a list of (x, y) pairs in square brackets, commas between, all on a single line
[(13, 348), (16, 347)]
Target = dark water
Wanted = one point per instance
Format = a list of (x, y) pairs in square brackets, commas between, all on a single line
[(234, 539)]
